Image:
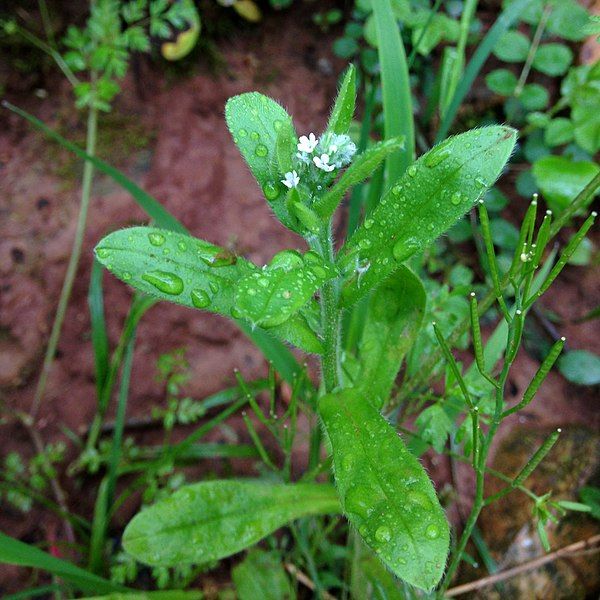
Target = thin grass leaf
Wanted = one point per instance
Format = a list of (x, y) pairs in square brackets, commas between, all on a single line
[(480, 56), (14, 552), (395, 84), (98, 325)]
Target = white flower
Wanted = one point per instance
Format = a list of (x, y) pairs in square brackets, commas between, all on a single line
[(291, 180), (308, 144), (322, 162)]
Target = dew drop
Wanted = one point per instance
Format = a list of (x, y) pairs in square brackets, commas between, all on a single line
[(270, 190), (214, 287), (126, 275), (182, 246), (242, 133), (277, 125), (419, 498), (103, 252), (255, 135), (383, 534), (397, 189), (236, 313), (412, 170), (480, 181), (456, 198), (261, 150), (156, 239), (432, 531), (369, 223), (436, 157), (165, 282), (347, 462), (319, 271), (286, 294), (288, 260)]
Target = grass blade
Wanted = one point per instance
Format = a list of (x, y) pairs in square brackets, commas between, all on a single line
[(397, 99), (480, 56), (15, 552), (98, 323)]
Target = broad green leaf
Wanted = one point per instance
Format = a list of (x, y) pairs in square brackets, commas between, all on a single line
[(426, 201), (580, 367), (553, 59), (343, 109), (188, 271), (386, 493), (513, 46), (270, 296), (15, 552), (254, 121), (393, 320), (261, 575), (214, 519), (501, 81), (362, 167), (558, 132), (534, 96), (560, 179)]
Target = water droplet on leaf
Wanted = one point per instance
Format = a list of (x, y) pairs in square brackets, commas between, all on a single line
[(383, 534), (432, 531), (261, 150), (270, 190), (412, 170), (156, 239), (436, 157), (165, 282)]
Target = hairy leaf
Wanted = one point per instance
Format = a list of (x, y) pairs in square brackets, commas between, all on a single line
[(386, 494), (362, 167), (189, 271), (261, 575), (270, 296), (343, 109), (393, 320), (213, 519), (427, 200), (254, 121)]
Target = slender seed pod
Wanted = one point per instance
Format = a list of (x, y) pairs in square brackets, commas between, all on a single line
[(523, 236), (515, 337), (536, 459), (489, 247), (538, 378), (476, 329)]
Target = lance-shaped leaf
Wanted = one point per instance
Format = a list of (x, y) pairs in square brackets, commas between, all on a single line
[(188, 271), (343, 109), (361, 168), (428, 199), (385, 492), (213, 519), (255, 121), (393, 320), (270, 296)]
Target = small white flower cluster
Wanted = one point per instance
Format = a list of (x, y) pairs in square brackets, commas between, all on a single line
[(330, 152)]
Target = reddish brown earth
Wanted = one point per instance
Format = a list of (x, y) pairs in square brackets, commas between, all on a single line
[(193, 167)]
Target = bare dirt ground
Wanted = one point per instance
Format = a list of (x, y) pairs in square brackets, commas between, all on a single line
[(188, 161)]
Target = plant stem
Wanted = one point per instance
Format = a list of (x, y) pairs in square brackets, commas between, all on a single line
[(88, 174), (330, 319)]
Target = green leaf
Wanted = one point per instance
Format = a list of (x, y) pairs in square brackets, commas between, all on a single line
[(14, 552), (501, 81), (427, 200), (395, 85), (164, 595), (362, 167), (568, 20), (386, 494), (434, 426), (261, 575), (534, 96), (553, 59), (513, 46), (188, 271), (345, 47), (591, 496), (580, 367), (211, 520), (504, 234), (561, 179), (393, 320), (270, 296), (254, 121), (558, 132), (343, 109)]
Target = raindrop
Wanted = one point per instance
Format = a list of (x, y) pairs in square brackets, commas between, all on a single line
[(383, 534), (287, 260), (436, 157), (214, 287), (432, 531), (369, 223), (456, 198), (480, 181), (397, 189), (286, 294), (261, 150), (412, 170), (277, 125), (103, 252), (165, 282), (255, 135), (270, 190), (126, 276), (182, 246), (156, 239), (236, 313), (242, 133)]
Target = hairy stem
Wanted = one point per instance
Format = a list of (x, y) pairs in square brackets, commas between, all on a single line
[(65, 294)]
